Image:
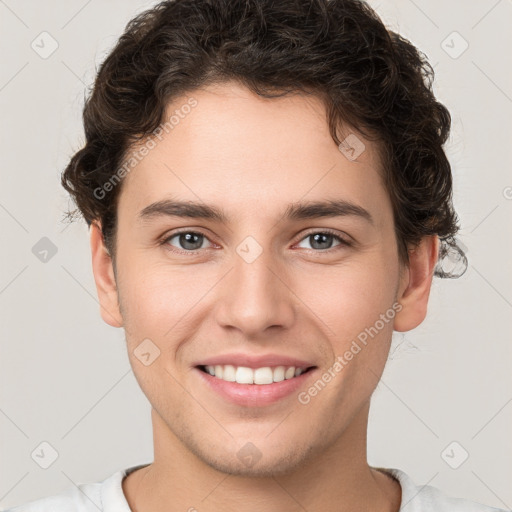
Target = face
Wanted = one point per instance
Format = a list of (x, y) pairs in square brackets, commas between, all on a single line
[(255, 277)]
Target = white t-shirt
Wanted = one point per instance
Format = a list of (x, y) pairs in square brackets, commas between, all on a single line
[(108, 496)]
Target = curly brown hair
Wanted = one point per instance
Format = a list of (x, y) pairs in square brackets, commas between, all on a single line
[(368, 77)]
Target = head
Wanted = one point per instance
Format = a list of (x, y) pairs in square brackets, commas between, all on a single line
[(300, 147)]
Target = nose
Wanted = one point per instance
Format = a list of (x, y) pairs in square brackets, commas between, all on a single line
[(255, 297)]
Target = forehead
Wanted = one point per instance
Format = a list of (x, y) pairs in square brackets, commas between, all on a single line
[(225, 143)]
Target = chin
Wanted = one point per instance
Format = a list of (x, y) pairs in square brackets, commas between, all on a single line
[(258, 459), (280, 464)]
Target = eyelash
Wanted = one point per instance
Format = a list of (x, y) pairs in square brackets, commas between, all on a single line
[(342, 241)]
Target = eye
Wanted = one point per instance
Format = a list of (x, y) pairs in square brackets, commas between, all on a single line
[(191, 241), (323, 240), (187, 241)]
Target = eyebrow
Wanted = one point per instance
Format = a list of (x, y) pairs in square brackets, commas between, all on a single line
[(294, 211)]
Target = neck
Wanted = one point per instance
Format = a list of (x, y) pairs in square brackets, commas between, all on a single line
[(335, 479)]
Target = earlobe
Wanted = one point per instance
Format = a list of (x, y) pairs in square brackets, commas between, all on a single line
[(104, 278), (415, 284)]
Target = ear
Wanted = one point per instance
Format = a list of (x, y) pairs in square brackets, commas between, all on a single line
[(415, 284), (104, 277)]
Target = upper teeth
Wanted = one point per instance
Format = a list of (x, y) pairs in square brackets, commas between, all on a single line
[(244, 375)]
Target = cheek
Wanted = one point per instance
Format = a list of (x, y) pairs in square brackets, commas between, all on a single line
[(347, 299), (357, 307), (158, 298), (156, 306)]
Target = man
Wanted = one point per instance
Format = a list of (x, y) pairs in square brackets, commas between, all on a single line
[(268, 197)]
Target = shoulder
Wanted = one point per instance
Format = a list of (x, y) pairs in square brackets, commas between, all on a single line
[(106, 496), (425, 498)]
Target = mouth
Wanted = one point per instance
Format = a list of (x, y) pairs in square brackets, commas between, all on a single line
[(257, 376), (254, 387)]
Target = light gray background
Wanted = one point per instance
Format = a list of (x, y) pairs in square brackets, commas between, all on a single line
[(65, 376)]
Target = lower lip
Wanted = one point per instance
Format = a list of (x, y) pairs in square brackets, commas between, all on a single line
[(254, 395)]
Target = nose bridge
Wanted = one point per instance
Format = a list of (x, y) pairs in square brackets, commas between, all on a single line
[(255, 298)]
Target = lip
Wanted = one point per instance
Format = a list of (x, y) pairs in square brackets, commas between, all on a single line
[(254, 395), (251, 361)]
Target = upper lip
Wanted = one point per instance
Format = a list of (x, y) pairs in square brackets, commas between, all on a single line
[(251, 361)]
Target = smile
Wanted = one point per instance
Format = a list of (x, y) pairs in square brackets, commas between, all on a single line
[(259, 376), (254, 387)]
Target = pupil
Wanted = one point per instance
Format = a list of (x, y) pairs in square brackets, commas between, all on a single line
[(188, 238), (320, 238)]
